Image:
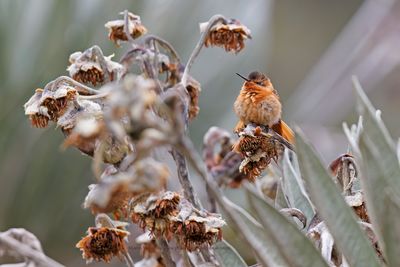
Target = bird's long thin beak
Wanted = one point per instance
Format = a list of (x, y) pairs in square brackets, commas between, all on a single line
[(244, 78)]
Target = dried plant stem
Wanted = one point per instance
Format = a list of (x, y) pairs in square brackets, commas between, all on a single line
[(164, 44), (213, 20), (26, 251), (126, 27), (165, 252), (184, 179), (99, 55), (211, 200), (81, 88)]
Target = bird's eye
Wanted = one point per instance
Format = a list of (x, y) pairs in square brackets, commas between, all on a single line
[(259, 83)]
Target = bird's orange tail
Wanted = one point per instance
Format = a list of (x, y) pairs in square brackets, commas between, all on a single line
[(284, 130)]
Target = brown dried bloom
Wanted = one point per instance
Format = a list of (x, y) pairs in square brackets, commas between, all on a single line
[(229, 34), (117, 189), (87, 67), (101, 244), (49, 104), (194, 229), (37, 114), (116, 31), (154, 211), (258, 149)]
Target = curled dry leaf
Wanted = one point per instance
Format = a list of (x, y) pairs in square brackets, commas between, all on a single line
[(115, 191), (116, 31), (229, 34), (87, 67), (103, 243)]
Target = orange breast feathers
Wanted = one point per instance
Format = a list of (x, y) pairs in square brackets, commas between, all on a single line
[(258, 104)]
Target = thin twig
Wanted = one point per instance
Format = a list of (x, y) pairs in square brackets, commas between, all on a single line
[(126, 26), (26, 251), (212, 21), (81, 88), (165, 252), (183, 176), (164, 44)]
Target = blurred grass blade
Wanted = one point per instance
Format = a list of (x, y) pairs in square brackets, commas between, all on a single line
[(391, 232), (227, 255), (294, 187), (376, 189), (333, 209), (292, 243), (263, 244), (381, 142), (280, 199)]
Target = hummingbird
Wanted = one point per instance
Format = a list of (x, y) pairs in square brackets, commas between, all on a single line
[(258, 102)]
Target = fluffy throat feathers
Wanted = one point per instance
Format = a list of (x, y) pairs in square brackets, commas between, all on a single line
[(254, 88)]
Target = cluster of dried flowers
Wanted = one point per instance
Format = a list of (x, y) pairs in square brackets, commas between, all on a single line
[(118, 117)]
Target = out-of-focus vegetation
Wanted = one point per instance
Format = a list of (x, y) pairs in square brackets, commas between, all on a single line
[(42, 187)]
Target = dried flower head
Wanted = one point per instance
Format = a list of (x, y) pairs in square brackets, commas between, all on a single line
[(153, 212), (115, 191), (101, 244), (198, 230), (37, 114), (116, 31), (222, 163), (87, 67), (229, 34), (49, 104), (258, 149)]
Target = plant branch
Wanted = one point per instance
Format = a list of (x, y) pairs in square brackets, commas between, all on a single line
[(213, 20), (164, 44), (81, 88), (8, 242), (184, 179), (165, 252)]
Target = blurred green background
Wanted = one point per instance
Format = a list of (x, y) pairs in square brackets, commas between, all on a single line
[(309, 48)]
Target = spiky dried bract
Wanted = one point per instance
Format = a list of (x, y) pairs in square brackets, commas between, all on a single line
[(194, 89), (103, 243), (116, 31), (113, 193), (197, 229), (258, 149), (86, 67), (230, 35), (154, 212)]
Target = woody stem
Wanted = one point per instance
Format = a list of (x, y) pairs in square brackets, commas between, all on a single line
[(213, 20)]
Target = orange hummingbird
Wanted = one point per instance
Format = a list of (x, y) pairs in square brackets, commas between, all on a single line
[(258, 102)]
